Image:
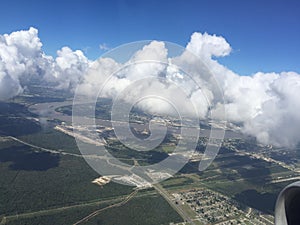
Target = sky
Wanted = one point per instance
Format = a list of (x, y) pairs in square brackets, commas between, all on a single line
[(264, 35)]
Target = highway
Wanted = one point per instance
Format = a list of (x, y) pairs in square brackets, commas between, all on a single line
[(175, 206)]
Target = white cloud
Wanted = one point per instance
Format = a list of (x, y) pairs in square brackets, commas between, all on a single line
[(18, 52), (266, 104), (71, 66), (22, 58), (206, 45)]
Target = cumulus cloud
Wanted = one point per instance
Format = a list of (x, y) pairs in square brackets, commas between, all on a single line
[(206, 46), (265, 105), (70, 67), (22, 59), (17, 53), (278, 120)]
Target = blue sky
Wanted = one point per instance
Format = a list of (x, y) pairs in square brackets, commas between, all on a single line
[(264, 35)]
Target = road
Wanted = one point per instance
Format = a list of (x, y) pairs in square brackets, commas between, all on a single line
[(41, 148), (97, 212)]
